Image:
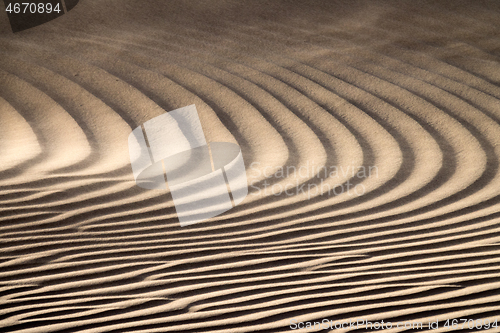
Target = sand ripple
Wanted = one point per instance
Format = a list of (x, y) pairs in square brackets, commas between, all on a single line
[(411, 91)]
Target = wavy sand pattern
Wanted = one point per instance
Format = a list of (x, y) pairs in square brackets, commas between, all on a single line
[(410, 89)]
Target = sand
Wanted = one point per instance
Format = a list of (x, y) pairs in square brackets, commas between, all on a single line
[(381, 119)]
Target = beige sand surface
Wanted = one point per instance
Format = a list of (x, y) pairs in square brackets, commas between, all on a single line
[(410, 89)]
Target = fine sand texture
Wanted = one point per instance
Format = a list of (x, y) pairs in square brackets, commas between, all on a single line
[(380, 119)]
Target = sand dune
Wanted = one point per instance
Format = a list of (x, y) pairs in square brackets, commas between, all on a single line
[(397, 101)]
